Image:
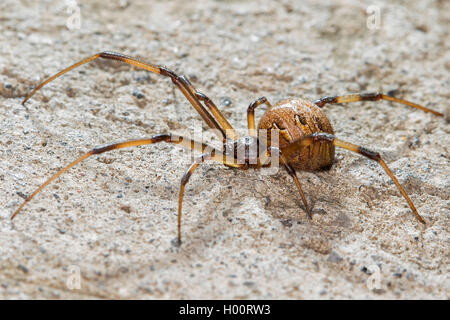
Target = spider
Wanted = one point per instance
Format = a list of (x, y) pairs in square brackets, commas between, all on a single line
[(306, 136)]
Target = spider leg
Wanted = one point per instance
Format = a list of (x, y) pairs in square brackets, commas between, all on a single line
[(229, 130), (292, 173), (375, 96), (266, 158), (184, 181), (185, 142), (180, 81), (372, 155), (214, 155), (251, 114)]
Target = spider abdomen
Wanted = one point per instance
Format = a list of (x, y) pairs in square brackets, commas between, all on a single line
[(295, 119)]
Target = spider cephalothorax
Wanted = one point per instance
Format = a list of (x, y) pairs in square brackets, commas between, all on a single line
[(243, 151), (306, 137)]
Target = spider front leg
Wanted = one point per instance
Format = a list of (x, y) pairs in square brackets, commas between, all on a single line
[(372, 155), (370, 97), (183, 84), (251, 114), (214, 155), (169, 138), (229, 130), (184, 181)]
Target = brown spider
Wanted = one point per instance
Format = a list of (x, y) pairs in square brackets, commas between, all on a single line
[(306, 135)]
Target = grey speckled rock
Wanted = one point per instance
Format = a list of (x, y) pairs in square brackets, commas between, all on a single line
[(104, 230)]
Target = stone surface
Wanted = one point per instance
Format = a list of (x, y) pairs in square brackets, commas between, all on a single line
[(112, 219)]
